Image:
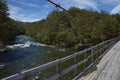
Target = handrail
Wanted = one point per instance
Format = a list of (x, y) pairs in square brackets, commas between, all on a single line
[(105, 46)]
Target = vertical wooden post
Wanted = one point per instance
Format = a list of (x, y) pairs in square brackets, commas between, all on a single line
[(58, 68), (75, 61), (85, 56), (95, 53), (113, 42), (110, 44), (103, 49), (92, 52), (100, 50)]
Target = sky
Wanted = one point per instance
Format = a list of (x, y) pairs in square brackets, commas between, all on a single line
[(35, 10)]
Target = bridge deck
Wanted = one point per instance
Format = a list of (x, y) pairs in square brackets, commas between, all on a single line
[(108, 68)]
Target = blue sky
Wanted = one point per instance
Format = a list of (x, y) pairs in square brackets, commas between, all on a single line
[(35, 10)]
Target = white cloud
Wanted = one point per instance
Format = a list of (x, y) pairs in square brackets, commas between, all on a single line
[(30, 18), (106, 1), (88, 3), (83, 4), (13, 10), (115, 9), (16, 13), (110, 1), (23, 2), (47, 6)]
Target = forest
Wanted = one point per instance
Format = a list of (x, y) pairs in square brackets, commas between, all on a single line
[(75, 29), (9, 28)]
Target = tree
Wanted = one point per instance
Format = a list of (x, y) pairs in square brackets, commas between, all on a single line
[(9, 28), (77, 29), (3, 11)]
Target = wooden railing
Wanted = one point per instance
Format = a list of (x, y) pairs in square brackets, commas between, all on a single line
[(87, 58)]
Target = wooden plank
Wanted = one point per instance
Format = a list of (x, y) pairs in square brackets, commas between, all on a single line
[(109, 66), (75, 61)]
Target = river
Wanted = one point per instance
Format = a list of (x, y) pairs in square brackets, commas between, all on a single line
[(26, 53)]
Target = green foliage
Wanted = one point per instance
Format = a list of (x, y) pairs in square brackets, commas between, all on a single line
[(76, 29), (3, 11), (8, 27)]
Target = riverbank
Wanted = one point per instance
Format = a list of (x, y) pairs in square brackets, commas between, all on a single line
[(2, 47)]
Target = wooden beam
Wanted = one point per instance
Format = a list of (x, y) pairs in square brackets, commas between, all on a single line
[(57, 5)]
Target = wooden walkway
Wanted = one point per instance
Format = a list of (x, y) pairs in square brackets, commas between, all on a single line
[(108, 68)]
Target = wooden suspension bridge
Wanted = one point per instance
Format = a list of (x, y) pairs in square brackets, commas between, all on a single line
[(106, 55), (108, 68)]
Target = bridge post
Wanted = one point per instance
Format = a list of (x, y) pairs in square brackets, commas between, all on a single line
[(85, 56), (110, 43), (75, 61), (58, 68), (92, 52)]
